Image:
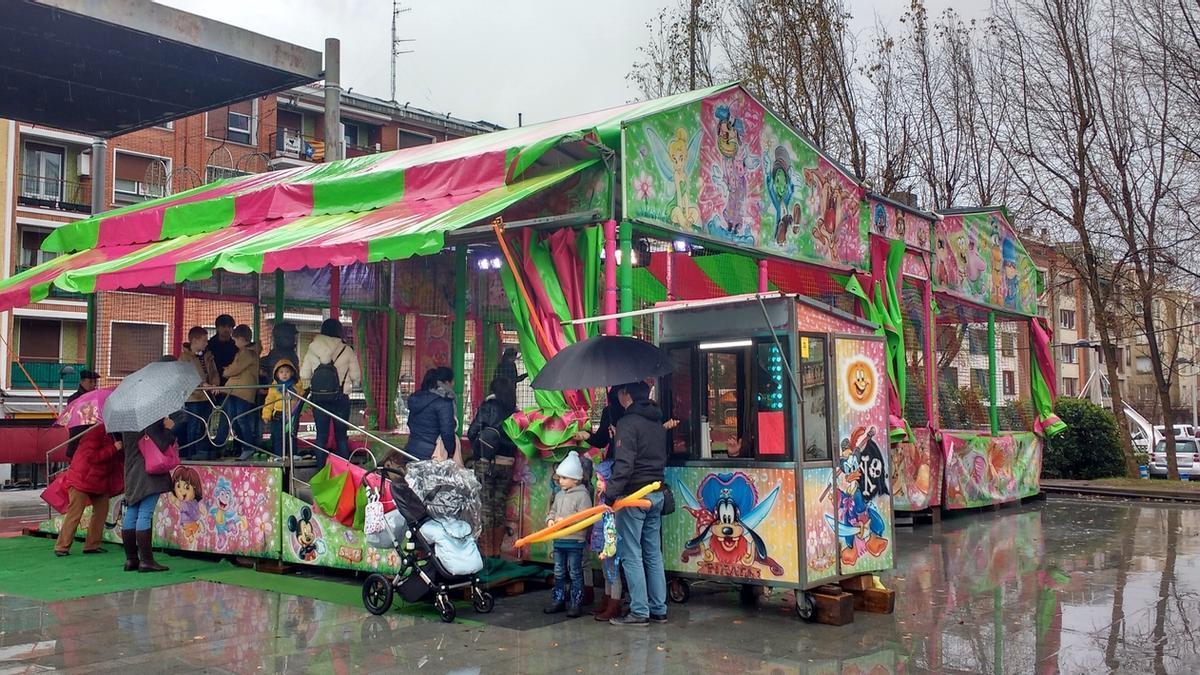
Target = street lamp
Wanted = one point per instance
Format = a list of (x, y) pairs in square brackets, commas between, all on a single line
[(63, 372)]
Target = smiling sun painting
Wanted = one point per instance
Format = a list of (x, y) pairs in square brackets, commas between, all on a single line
[(860, 381)]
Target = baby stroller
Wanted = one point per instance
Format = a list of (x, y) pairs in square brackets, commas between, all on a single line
[(436, 556)]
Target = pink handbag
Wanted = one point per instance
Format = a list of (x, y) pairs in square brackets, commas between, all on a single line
[(56, 494), (157, 461)]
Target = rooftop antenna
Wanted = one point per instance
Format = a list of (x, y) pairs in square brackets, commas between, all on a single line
[(397, 10)]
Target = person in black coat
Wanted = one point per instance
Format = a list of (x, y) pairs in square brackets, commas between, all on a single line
[(432, 415), (639, 451), (495, 454)]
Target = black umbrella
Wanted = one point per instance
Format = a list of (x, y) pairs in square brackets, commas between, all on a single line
[(602, 361)]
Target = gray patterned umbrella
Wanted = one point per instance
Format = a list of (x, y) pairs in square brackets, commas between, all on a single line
[(149, 395)]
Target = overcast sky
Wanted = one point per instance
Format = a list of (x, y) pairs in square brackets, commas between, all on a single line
[(488, 59)]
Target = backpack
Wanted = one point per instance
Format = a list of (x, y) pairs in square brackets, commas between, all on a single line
[(326, 386)]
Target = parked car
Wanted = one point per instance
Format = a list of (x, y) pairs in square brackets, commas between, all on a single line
[(1187, 453)]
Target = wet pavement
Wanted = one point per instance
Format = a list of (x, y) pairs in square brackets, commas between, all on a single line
[(1068, 585)]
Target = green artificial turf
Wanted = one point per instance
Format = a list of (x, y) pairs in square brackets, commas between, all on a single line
[(28, 568)]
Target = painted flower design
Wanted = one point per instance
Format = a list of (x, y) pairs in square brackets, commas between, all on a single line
[(373, 557), (643, 186)]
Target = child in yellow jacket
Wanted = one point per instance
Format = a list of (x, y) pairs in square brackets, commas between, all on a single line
[(284, 378)]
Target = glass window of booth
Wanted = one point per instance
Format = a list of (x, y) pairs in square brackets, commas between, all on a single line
[(731, 399), (814, 402)]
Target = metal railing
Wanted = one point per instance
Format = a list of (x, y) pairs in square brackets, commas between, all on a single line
[(44, 375), (295, 145), (52, 192)]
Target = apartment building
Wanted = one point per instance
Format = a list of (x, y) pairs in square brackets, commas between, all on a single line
[(47, 182)]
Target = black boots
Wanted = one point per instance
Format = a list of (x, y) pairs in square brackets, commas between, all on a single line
[(131, 550), (145, 546)]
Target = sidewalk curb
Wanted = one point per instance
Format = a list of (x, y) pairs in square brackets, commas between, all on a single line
[(1128, 493)]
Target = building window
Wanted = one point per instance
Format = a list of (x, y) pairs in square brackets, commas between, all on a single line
[(41, 339), (977, 341), (234, 123), (169, 125), (1067, 318), (215, 173), (1010, 383), (1128, 357), (1146, 392), (1008, 345), (979, 379), (411, 139), (43, 171), (1044, 311), (1068, 353), (952, 376), (1105, 391), (137, 178), (133, 345), (31, 248), (1143, 364), (350, 133), (1070, 386)]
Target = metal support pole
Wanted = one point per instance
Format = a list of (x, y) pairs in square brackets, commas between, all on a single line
[(610, 275), (458, 351), (177, 322), (763, 283), (90, 357), (993, 402), (335, 142), (99, 173), (280, 292), (335, 293), (626, 282)]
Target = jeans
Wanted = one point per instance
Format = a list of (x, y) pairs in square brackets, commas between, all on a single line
[(640, 548), (140, 515), (339, 406), (568, 562), (191, 433), (245, 425)]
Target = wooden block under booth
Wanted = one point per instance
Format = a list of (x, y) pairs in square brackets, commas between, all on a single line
[(834, 607), (858, 583), (875, 600)]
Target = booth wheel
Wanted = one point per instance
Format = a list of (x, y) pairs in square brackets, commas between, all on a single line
[(377, 594), (483, 601), (445, 607), (806, 606), (679, 591)]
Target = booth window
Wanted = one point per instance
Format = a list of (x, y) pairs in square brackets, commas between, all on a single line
[(731, 399), (814, 402)]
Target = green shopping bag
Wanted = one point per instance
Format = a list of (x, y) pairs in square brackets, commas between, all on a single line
[(360, 508), (329, 491)]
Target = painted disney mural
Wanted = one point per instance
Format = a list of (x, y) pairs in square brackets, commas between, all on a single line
[(727, 510)]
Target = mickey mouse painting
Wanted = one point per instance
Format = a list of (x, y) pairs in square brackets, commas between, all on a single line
[(307, 544)]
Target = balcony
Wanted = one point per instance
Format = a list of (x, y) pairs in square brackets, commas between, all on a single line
[(54, 193), (55, 291), (291, 144), (45, 375)]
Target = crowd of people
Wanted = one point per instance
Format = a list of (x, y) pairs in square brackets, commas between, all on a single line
[(236, 379)]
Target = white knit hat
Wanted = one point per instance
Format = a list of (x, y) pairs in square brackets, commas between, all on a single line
[(571, 467)]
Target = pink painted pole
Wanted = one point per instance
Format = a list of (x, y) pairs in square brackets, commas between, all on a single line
[(930, 354), (763, 284), (335, 292), (671, 274), (610, 275)]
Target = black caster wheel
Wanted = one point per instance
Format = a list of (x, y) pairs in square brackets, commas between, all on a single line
[(377, 594), (806, 606), (483, 601), (679, 591), (445, 608)]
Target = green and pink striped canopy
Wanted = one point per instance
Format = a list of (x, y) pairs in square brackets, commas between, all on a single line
[(366, 209)]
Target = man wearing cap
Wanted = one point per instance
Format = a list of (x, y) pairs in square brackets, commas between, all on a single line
[(88, 380)]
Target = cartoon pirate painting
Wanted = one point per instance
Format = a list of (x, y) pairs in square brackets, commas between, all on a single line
[(727, 511), (860, 477)]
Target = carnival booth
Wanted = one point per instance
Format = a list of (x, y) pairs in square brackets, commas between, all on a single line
[(448, 254), (780, 460)]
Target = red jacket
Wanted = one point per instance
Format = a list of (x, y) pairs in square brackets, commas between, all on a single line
[(98, 466)]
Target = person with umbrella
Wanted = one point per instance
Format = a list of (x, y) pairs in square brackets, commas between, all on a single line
[(140, 408), (88, 381), (94, 477)]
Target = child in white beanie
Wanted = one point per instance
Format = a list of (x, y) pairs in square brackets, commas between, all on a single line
[(572, 498)]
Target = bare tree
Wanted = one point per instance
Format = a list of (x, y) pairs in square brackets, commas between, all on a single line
[(681, 50)]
